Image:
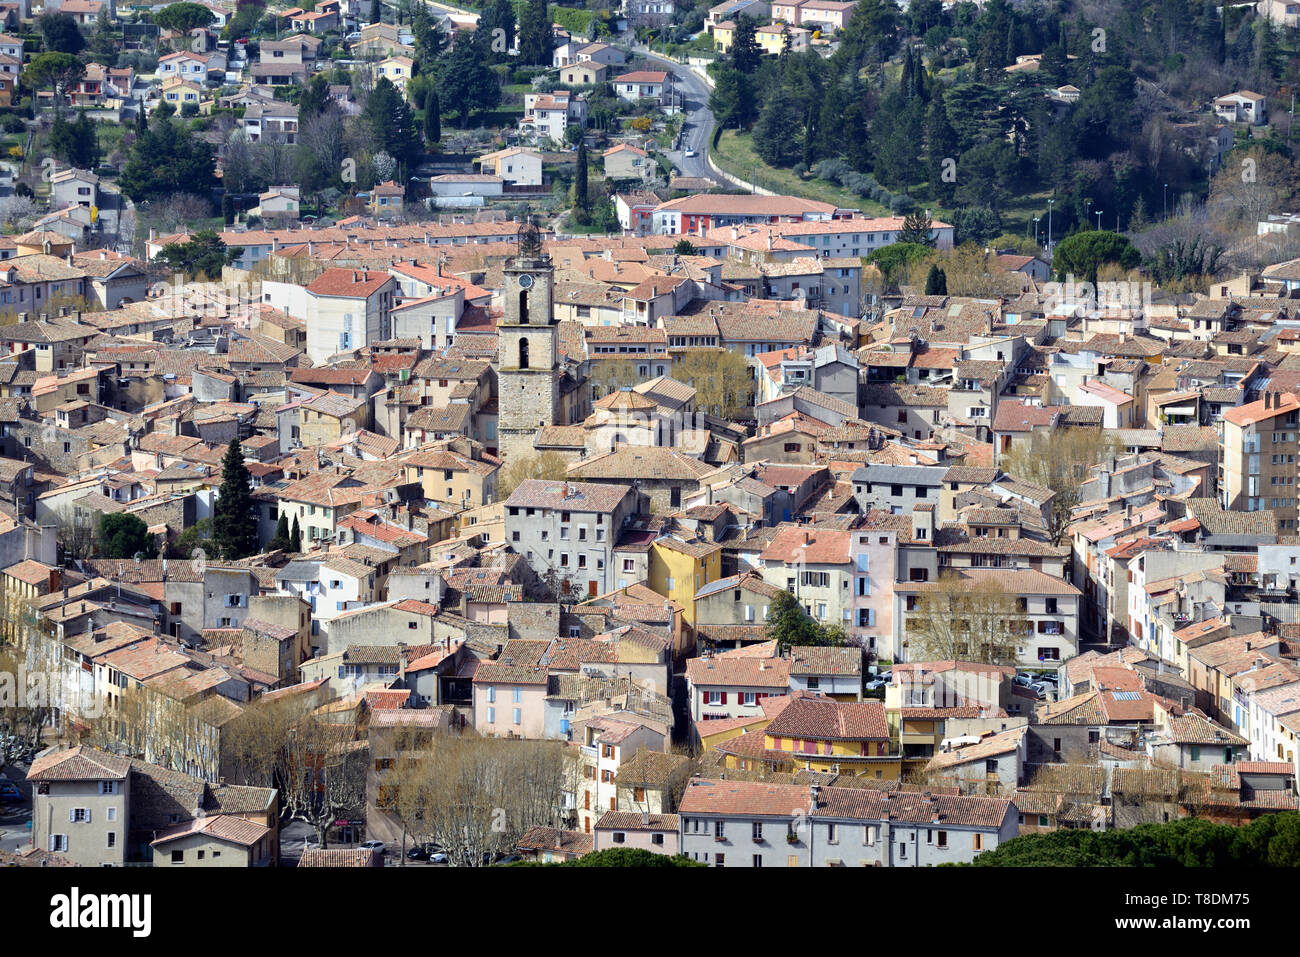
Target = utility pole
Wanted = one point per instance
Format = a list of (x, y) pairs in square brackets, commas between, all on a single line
[(1049, 227)]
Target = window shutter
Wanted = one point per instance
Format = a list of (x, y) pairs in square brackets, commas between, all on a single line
[(87, 815), (724, 697), (72, 815)]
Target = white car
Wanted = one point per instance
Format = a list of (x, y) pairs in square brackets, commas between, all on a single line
[(689, 154), (379, 846)]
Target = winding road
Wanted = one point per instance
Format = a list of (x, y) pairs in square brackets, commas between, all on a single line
[(698, 119)]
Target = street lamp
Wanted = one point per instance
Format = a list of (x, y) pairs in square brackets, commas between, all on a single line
[(1099, 220), (1049, 227), (1166, 200), (1036, 219)]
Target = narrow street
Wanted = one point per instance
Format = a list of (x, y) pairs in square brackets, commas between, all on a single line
[(698, 119)]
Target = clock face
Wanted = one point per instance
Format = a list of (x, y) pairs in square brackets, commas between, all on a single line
[(525, 281)]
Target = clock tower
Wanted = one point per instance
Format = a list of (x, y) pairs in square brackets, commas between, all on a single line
[(528, 355)]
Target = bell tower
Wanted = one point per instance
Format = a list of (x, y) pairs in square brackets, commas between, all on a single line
[(528, 355)]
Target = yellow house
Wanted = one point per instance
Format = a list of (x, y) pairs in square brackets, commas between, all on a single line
[(179, 92), (332, 415), (449, 476), (771, 38), (819, 734), (679, 569), (723, 35)]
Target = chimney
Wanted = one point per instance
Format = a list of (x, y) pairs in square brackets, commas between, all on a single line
[(1248, 645), (814, 796), (645, 818)]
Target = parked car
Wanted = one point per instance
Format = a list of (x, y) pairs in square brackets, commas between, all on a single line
[(437, 857), (379, 846), (10, 792), (1023, 680), (1041, 689), (418, 853)]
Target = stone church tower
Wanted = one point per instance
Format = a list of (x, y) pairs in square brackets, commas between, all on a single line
[(528, 356)]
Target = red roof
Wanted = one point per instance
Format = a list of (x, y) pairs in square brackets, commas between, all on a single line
[(354, 283), (642, 76)]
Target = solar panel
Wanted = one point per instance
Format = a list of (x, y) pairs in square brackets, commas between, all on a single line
[(1126, 696)]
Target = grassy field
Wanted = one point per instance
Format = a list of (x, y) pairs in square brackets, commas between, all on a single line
[(735, 154)]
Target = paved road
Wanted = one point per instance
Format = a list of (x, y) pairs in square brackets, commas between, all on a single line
[(698, 118), (15, 833)]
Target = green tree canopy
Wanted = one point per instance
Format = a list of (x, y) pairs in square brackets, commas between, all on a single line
[(122, 535), (779, 130), (1272, 840), (389, 120), (1080, 255), (183, 17), (76, 143), (535, 34), (789, 625), (58, 71), (499, 15), (60, 33), (466, 82), (916, 229), (234, 517), (168, 158), (745, 51), (936, 283), (893, 260), (203, 255)]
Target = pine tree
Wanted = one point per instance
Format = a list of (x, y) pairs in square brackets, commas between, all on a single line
[(581, 201), (295, 537), (917, 228), (234, 519), (936, 282), (745, 51), (535, 34)]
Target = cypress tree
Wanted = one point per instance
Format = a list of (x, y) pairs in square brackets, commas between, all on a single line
[(234, 520), (581, 201), (281, 539), (432, 120), (936, 282), (295, 537)]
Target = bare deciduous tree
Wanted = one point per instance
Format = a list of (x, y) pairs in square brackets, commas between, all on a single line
[(1060, 460), (477, 796), (965, 618), (322, 774)]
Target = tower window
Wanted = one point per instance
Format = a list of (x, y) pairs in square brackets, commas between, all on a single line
[(523, 306), (523, 350)]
